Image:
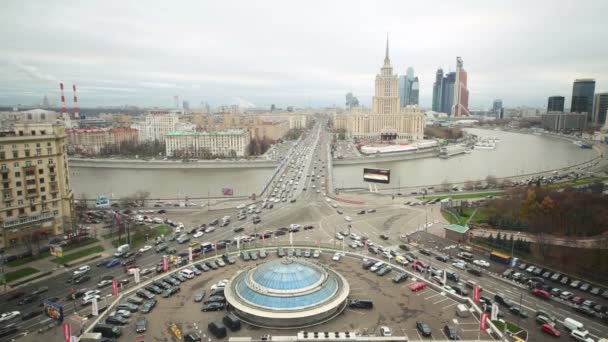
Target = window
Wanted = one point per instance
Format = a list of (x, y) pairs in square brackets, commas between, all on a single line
[(15, 154), (19, 193), (27, 153), (28, 163), (38, 152), (18, 183), (42, 116), (16, 164), (40, 171), (20, 202), (37, 144), (41, 180), (49, 150), (39, 161), (43, 198), (21, 211), (55, 212), (54, 204), (17, 174), (2, 155), (42, 189), (5, 185), (9, 213), (48, 143), (26, 145)]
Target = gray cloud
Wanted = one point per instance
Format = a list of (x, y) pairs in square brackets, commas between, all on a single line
[(292, 53)]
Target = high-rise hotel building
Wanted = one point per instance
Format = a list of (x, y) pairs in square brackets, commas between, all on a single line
[(36, 195)]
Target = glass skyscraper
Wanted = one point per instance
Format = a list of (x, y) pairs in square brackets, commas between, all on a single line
[(555, 104), (582, 97)]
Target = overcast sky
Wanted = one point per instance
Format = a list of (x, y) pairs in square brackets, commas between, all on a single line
[(295, 53)]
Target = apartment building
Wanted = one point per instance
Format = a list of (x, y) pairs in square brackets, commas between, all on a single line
[(191, 144), (155, 125), (36, 194), (92, 140)]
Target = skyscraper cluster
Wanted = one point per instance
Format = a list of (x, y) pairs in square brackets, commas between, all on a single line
[(450, 92), (409, 88), (584, 100)]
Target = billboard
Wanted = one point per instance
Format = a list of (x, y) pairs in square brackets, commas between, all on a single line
[(53, 310), (227, 191), (102, 201), (56, 251), (377, 175)]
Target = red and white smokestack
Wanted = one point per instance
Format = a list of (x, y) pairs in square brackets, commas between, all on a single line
[(63, 109), (76, 114)]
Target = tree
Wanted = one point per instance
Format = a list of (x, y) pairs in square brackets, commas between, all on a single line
[(141, 196), (491, 181), (446, 186)]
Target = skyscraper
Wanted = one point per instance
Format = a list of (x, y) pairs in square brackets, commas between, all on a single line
[(408, 88), (497, 108), (447, 93), (461, 92), (582, 97), (436, 107), (555, 104), (600, 107)]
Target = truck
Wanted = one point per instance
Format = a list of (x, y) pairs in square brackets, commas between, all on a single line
[(499, 257), (121, 250)]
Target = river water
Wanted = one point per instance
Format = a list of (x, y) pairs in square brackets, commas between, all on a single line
[(516, 154)]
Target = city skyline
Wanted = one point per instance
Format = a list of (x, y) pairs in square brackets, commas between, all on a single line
[(199, 55)]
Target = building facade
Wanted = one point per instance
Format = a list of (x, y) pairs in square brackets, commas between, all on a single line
[(582, 97), (460, 106), (555, 104), (563, 122), (155, 125), (388, 120), (191, 144), (409, 88), (36, 195), (600, 108), (93, 140)]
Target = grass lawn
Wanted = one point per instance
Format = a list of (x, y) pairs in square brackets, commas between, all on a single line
[(77, 255), (574, 182), (138, 238), (479, 217), (510, 326), (47, 254), (24, 272), (463, 196)]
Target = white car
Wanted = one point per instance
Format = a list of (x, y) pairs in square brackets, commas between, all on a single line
[(385, 331), (209, 229), (145, 248), (448, 289), (82, 270), (481, 263), (459, 265), (122, 313), (178, 230), (339, 236), (240, 206), (92, 293), (336, 257), (347, 218), (7, 316), (198, 234), (87, 300)]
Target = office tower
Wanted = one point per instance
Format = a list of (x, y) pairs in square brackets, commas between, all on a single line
[(460, 105), (582, 97), (45, 102), (555, 104), (496, 105), (600, 106), (176, 101), (415, 92), (437, 86), (36, 199), (185, 105), (408, 88), (447, 93)]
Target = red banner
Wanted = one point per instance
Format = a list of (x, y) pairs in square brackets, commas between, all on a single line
[(227, 191), (67, 332), (483, 322), (115, 287), (476, 293), (165, 264)]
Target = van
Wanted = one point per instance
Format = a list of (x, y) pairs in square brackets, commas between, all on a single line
[(232, 322), (571, 324), (108, 331), (454, 276), (462, 311), (217, 329), (121, 250), (187, 273)]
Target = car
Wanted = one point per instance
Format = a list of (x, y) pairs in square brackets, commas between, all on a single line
[(384, 270), (116, 320), (7, 316), (213, 306), (361, 212), (198, 297), (141, 325), (371, 210), (82, 270), (385, 331), (263, 254), (459, 265), (336, 257), (541, 293), (347, 218), (339, 236), (423, 328), (585, 310), (135, 300), (417, 286), (81, 279), (113, 262), (451, 332), (581, 335), (566, 295), (89, 299), (145, 248), (128, 306), (542, 319), (198, 234), (28, 299), (148, 306), (518, 311), (104, 283), (170, 292), (399, 278), (40, 290), (550, 330), (481, 263)]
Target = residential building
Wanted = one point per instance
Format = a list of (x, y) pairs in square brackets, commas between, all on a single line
[(155, 125), (582, 97), (563, 122), (460, 106), (600, 107), (191, 144), (555, 104), (9, 118), (36, 195), (273, 130), (92, 141), (388, 121)]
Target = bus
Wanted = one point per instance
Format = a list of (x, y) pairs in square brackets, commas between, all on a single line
[(207, 246), (499, 257), (466, 256)]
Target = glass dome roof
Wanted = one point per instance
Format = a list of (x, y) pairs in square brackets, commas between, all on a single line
[(280, 275)]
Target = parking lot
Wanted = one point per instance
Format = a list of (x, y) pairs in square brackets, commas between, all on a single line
[(394, 306)]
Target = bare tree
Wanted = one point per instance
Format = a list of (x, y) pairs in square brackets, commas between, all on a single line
[(468, 185), (491, 181), (141, 196), (446, 186)]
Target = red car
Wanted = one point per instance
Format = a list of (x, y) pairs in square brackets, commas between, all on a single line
[(577, 300), (541, 293), (549, 329), (417, 286)]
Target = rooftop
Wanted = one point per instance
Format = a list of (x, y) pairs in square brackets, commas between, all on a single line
[(457, 228), (225, 132)]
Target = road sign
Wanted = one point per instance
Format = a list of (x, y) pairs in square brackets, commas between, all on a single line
[(115, 287), (494, 313), (483, 322), (67, 332)]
